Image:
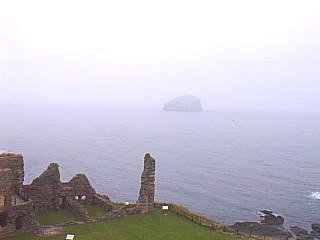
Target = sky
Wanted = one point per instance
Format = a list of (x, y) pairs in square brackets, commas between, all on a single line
[(234, 55)]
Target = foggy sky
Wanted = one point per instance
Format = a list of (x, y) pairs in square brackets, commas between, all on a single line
[(234, 55)]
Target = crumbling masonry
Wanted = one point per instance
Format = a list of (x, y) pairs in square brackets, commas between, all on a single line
[(19, 203), (146, 196)]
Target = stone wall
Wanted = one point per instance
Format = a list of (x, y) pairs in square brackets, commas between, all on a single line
[(48, 192), (45, 190), (19, 203), (146, 195), (16, 212), (80, 186), (13, 161)]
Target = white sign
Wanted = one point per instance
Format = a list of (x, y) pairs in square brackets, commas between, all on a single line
[(76, 197), (83, 197), (165, 207), (70, 237), (126, 203)]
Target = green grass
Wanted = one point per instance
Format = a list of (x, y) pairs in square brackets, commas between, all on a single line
[(94, 211), (151, 226), (48, 217)]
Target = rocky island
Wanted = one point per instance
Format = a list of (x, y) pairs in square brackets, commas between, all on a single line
[(185, 103)]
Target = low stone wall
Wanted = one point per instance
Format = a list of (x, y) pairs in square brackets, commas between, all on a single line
[(196, 218), (213, 224), (48, 230)]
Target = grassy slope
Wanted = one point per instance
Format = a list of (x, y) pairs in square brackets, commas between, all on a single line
[(152, 226), (94, 211), (53, 217)]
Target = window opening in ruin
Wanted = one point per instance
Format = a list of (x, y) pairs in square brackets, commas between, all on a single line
[(3, 219), (19, 222), (13, 200), (2, 198), (62, 202)]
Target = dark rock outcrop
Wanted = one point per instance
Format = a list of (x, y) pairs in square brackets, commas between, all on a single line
[(315, 227), (269, 225), (268, 217), (298, 231), (303, 234), (146, 195), (186, 103), (256, 228)]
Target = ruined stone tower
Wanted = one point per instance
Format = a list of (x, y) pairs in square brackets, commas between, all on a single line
[(146, 195), (16, 210)]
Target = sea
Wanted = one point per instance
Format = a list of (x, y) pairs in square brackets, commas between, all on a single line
[(226, 165)]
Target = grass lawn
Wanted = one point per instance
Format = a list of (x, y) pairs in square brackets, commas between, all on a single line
[(151, 226), (53, 217), (94, 211)]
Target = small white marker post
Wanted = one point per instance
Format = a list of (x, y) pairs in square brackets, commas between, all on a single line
[(70, 237), (165, 210)]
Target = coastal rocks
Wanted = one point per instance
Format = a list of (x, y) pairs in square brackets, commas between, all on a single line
[(146, 195), (269, 225), (256, 228), (298, 231), (185, 103), (315, 227), (268, 217), (303, 234)]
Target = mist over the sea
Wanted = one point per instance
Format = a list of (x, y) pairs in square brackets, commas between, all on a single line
[(227, 165), (234, 55), (83, 83)]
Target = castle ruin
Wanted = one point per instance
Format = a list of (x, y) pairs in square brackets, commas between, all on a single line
[(19, 203), (146, 194)]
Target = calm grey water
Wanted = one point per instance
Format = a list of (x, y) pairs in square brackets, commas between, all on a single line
[(225, 165)]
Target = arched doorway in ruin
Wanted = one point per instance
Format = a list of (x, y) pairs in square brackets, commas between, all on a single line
[(19, 222), (3, 219)]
